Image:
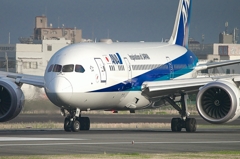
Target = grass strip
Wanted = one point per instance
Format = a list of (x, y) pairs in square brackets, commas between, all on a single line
[(197, 155), (54, 125)]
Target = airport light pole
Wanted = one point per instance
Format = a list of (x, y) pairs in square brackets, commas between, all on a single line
[(6, 57)]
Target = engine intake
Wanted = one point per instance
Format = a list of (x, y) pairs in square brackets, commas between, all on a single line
[(217, 102), (11, 100)]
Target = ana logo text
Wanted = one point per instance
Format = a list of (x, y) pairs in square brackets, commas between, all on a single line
[(139, 56), (116, 58)]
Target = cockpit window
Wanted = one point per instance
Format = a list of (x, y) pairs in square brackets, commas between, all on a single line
[(68, 68), (57, 68), (50, 68), (79, 68)]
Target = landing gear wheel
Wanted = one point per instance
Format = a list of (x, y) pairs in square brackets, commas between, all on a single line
[(67, 124), (176, 124), (84, 123), (191, 125), (184, 122), (74, 122), (75, 126)]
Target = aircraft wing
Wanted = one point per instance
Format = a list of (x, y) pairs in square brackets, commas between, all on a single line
[(178, 86), (23, 78), (215, 64)]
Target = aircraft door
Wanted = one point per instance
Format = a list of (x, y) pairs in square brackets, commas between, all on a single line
[(128, 69), (170, 67), (102, 70)]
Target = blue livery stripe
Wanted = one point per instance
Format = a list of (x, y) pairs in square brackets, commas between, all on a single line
[(186, 64)]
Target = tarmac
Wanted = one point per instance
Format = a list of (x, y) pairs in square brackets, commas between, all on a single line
[(99, 141)]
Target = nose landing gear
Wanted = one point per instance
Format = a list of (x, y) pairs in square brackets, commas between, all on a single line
[(74, 122)]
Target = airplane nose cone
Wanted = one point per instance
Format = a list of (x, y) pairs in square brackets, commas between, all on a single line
[(60, 91)]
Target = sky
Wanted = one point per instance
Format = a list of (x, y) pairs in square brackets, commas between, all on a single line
[(122, 20)]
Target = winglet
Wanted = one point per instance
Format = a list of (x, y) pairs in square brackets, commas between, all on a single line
[(182, 22)]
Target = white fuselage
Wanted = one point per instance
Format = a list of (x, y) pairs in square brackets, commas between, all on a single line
[(112, 74)]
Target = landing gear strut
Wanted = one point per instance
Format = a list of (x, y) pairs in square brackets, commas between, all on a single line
[(190, 124), (74, 122)]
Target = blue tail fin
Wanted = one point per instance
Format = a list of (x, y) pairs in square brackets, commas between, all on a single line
[(182, 22)]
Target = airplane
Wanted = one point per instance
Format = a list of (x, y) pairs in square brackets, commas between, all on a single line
[(118, 76)]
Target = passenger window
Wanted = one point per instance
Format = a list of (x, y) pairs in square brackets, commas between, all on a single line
[(79, 68), (57, 68), (67, 68), (50, 68)]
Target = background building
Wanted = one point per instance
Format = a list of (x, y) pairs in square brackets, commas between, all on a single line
[(44, 32), (227, 49), (29, 58), (32, 54)]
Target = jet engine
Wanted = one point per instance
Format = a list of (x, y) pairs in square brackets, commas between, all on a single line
[(11, 100), (218, 102)]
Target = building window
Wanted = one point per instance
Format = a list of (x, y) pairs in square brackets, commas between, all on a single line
[(223, 50), (2, 64), (34, 65), (11, 64), (45, 32), (49, 47), (227, 71), (30, 65)]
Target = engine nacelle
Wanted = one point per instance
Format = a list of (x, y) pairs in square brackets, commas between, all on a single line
[(218, 102), (11, 100)]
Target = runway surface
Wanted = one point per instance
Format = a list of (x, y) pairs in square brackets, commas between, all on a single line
[(53, 142), (56, 141)]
